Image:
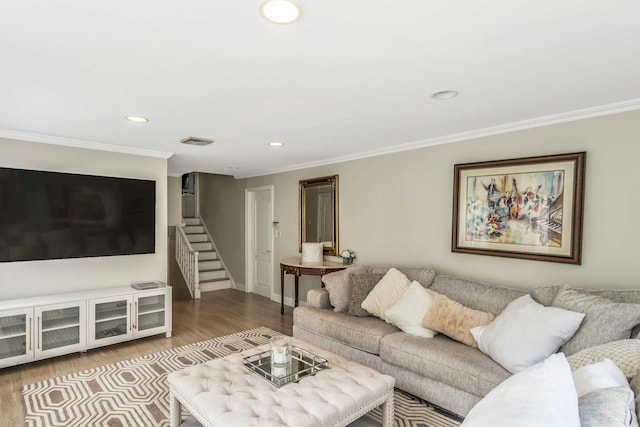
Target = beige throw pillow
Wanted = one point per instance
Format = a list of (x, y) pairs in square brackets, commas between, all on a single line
[(454, 319), (624, 353), (386, 293)]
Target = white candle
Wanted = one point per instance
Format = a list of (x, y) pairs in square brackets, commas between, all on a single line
[(279, 355)]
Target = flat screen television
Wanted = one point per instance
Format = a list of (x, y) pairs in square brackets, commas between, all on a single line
[(52, 215)]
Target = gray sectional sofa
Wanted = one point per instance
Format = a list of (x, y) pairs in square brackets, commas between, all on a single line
[(445, 372)]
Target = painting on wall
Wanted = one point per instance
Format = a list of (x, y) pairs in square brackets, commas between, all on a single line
[(528, 208)]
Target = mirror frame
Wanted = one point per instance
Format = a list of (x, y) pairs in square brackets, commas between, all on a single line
[(316, 182)]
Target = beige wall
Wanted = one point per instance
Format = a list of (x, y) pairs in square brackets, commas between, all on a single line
[(222, 210), (24, 279), (174, 200), (396, 209)]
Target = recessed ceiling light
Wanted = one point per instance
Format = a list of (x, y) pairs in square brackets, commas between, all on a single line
[(444, 94), (276, 144), (280, 11), (137, 119)]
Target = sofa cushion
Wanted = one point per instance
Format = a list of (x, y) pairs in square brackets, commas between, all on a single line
[(386, 293), (605, 320), (454, 319), (545, 294), (361, 285), (363, 333), (624, 353), (422, 275), (479, 296), (470, 370), (338, 285)]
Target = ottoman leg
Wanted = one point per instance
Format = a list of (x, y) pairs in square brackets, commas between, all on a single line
[(387, 411), (174, 410)]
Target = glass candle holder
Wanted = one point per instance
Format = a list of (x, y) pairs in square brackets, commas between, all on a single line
[(280, 350)]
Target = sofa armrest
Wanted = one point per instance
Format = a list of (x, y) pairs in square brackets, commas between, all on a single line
[(318, 298)]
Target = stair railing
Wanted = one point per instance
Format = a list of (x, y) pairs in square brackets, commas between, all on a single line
[(187, 259)]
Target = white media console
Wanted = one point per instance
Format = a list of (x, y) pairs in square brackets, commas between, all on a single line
[(47, 326)]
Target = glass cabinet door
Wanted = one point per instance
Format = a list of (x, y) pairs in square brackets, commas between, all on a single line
[(61, 328), (109, 320), (150, 312), (16, 343)]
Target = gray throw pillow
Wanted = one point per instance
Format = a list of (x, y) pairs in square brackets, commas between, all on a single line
[(604, 321), (610, 407), (339, 287), (361, 285), (635, 387)]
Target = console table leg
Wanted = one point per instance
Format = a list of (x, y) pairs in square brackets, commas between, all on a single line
[(281, 291), (295, 304)]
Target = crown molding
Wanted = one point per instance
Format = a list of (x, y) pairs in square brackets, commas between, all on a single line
[(79, 143), (571, 116)]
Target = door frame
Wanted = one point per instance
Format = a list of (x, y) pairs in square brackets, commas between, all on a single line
[(249, 243)]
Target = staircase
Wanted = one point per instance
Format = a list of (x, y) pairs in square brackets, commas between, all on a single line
[(203, 271)]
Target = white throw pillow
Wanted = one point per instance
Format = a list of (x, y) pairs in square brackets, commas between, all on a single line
[(543, 395), (526, 333), (388, 290), (407, 313), (597, 376)]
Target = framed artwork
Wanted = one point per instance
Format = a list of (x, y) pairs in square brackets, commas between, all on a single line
[(528, 208)]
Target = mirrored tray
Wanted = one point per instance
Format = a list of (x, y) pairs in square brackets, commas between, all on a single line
[(303, 363)]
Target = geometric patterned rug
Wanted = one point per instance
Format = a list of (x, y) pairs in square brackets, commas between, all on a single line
[(135, 392)]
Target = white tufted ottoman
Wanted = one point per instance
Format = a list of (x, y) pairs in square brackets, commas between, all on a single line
[(223, 393)]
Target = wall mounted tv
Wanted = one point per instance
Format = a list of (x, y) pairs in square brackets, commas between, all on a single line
[(51, 215)]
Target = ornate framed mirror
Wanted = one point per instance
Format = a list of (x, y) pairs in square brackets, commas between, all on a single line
[(318, 213)]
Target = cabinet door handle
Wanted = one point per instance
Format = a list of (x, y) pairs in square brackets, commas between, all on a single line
[(38, 334), (130, 317), (135, 314), (30, 332)]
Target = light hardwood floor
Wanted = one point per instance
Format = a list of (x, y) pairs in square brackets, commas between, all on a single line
[(216, 314)]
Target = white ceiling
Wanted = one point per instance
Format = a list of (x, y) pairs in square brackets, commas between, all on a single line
[(351, 78)]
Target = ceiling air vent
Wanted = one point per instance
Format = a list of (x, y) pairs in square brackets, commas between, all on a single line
[(192, 140)]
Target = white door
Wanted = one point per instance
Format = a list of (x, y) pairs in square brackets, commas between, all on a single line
[(260, 241)]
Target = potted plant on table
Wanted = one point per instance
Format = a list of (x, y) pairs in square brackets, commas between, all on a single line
[(347, 256)]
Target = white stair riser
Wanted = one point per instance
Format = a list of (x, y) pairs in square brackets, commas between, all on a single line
[(197, 238), (215, 286), (209, 265), (191, 221), (210, 275), (205, 255), (194, 229), (202, 246)]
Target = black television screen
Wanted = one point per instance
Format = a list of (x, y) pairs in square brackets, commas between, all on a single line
[(51, 215)]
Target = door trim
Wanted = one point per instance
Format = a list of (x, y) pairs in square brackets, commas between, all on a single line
[(248, 246)]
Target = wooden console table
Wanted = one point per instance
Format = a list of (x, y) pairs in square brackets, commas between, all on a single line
[(295, 266)]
